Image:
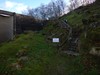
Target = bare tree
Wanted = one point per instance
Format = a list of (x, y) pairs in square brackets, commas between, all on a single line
[(61, 5), (50, 11), (58, 7), (31, 12), (85, 2), (73, 4), (34, 13), (43, 11), (53, 10)]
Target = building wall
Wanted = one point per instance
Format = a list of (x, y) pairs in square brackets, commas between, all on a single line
[(6, 28)]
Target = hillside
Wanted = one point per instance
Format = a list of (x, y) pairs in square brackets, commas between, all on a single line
[(83, 20)]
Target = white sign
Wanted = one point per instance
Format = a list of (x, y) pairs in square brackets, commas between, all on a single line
[(55, 40)]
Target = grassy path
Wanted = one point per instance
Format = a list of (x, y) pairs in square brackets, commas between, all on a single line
[(43, 58)]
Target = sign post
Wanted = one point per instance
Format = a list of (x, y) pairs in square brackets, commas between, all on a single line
[(55, 40)]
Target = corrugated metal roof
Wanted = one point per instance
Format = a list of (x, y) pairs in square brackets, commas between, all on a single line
[(7, 13), (4, 15)]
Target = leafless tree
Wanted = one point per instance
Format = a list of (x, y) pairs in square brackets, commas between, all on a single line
[(31, 12), (58, 7), (85, 2), (53, 10), (42, 11), (50, 10), (73, 4), (61, 4)]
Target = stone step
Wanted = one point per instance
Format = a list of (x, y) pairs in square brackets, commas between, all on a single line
[(95, 51), (71, 53), (73, 39), (72, 47), (72, 42)]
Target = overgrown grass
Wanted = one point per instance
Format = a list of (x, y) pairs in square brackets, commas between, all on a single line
[(44, 59)]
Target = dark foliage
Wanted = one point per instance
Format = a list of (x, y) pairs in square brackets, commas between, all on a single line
[(25, 23)]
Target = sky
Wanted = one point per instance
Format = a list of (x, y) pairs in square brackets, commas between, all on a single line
[(19, 6)]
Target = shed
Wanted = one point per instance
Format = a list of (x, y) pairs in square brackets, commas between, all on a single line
[(7, 25)]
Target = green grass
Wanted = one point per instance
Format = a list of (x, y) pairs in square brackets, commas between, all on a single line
[(73, 19), (43, 58)]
